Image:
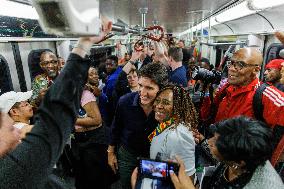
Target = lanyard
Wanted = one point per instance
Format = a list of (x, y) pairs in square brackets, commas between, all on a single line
[(160, 128)]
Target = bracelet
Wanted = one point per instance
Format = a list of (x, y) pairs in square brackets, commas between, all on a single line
[(79, 46)]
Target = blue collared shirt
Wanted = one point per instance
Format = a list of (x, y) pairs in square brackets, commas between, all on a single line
[(131, 126), (110, 83), (108, 91), (178, 76)]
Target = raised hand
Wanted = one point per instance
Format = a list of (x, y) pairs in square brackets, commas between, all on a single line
[(136, 55)]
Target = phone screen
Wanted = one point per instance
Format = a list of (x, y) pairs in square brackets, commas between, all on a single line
[(153, 169), (155, 174), (156, 169)]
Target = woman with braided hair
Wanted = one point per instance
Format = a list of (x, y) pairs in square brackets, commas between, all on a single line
[(177, 116)]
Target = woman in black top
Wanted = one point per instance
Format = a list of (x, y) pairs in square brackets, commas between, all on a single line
[(242, 146)]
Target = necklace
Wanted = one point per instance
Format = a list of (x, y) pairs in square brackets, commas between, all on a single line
[(160, 128)]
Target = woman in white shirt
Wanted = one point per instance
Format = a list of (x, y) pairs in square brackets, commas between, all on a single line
[(177, 116)]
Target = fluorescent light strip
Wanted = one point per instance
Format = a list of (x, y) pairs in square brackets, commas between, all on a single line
[(263, 4), (13, 9), (235, 12), (205, 24)]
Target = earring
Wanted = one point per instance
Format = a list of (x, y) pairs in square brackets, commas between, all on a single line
[(235, 167)]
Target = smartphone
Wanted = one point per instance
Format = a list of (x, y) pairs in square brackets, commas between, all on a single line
[(154, 169), (155, 174)]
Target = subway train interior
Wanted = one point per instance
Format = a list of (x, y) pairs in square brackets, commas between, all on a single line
[(213, 30), (214, 24)]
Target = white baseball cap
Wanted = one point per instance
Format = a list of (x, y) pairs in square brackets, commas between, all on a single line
[(7, 100)]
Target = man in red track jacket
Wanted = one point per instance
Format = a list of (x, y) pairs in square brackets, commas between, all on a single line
[(236, 97)]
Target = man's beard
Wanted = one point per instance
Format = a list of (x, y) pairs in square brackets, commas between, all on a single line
[(274, 80), (52, 74)]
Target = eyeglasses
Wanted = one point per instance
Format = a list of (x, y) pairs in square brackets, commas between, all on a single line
[(54, 62), (239, 65)]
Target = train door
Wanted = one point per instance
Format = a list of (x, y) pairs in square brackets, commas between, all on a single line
[(8, 57)]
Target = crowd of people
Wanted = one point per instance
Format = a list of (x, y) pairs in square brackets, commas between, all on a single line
[(150, 105)]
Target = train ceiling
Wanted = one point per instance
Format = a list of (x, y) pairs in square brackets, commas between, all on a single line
[(175, 15)]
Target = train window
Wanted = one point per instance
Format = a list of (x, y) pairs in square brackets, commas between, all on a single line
[(33, 61), (54, 14), (5, 76), (21, 27), (272, 53)]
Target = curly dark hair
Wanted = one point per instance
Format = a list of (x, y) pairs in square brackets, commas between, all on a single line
[(114, 58), (183, 110), (156, 72), (244, 139)]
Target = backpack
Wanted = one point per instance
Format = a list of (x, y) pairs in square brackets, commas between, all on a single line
[(278, 130)]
